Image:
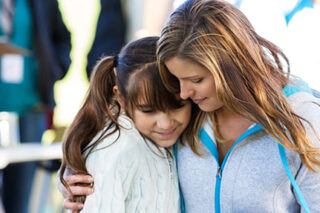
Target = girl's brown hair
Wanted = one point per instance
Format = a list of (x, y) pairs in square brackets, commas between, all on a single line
[(136, 74), (249, 71)]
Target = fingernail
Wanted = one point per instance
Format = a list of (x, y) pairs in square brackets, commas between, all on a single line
[(90, 179), (80, 206)]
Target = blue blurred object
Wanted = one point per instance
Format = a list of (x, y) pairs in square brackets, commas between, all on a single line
[(238, 3), (299, 6)]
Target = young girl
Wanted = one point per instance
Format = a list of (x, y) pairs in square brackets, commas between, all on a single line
[(251, 112), (122, 133)]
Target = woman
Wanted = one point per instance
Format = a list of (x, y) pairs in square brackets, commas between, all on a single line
[(122, 134), (209, 52)]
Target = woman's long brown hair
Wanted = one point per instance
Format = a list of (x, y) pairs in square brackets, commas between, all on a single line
[(249, 71)]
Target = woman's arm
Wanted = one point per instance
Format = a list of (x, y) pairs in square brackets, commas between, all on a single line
[(79, 185)]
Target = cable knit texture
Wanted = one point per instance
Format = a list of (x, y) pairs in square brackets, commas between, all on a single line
[(131, 175)]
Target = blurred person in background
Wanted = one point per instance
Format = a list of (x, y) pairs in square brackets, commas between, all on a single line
[(26, 81), (110, 32), (122, 21)]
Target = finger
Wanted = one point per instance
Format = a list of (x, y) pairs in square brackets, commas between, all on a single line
[(68, 204), (64, 192), (62, 189), (73, 179), (81, 190)]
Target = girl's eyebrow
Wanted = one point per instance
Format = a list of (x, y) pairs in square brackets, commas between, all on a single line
[(141, 106)]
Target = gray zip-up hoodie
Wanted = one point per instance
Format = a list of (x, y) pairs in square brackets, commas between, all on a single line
[(252, 177)]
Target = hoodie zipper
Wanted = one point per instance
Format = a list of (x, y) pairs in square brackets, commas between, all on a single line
[(208, 142)]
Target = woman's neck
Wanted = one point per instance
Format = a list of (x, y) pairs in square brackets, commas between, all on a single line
[(231, 125)]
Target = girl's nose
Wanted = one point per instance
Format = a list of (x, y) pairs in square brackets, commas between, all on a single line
[(165, 121)]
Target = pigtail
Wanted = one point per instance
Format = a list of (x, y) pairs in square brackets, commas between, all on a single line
[(99, 108)]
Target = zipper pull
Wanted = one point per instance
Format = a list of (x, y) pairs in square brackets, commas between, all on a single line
[(219, 173)]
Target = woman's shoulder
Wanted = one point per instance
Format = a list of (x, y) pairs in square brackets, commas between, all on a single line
[(305, 104), (307, 107), (300, 97)]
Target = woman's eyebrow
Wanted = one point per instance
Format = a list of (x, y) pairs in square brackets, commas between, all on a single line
[(190, 77)]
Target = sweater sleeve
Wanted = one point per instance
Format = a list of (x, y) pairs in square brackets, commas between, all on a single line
[(114, 169)]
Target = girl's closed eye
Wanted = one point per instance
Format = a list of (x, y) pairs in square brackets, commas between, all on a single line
[(145, 109)]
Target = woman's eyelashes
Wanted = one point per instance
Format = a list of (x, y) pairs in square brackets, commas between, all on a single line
[(196, 80)]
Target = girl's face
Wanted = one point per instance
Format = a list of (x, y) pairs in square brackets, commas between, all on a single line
[(196, 83), (163, 128)]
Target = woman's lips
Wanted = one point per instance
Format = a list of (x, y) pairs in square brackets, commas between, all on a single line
[(198, 101)]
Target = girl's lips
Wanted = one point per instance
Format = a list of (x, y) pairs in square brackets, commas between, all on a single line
[(167, 134), (198, 101)]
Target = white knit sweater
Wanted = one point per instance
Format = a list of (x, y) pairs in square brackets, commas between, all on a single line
[(131, 175)]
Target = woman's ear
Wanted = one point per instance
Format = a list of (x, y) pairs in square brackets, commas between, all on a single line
[(118, 96)]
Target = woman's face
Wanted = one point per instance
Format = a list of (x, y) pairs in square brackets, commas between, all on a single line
[(163, 128), (196, 83)]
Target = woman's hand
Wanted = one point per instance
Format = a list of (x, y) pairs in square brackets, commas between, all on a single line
[(79, 185)]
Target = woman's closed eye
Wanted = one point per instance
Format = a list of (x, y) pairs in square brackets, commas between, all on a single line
[(196, 80)]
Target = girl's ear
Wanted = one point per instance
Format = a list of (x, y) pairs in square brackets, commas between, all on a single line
[(118, 96)]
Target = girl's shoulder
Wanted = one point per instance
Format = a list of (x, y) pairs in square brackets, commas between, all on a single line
[(124, 143), (128, 136), (117, 148)]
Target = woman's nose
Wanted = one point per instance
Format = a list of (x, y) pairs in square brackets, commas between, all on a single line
[(185, 91)]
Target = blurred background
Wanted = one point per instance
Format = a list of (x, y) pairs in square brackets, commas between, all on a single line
[(64, 40)]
